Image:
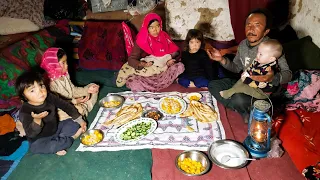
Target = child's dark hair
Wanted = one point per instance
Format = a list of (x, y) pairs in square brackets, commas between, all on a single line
[(60, 53), (194, 34), (153, 20), (26, 80)]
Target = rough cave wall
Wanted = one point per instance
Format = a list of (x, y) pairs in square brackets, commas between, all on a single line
[(305, 18), (212, 17)]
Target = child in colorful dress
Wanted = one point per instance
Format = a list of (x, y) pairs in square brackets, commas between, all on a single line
[(40, 120), (198, 67), (264, 64), (54, 61)]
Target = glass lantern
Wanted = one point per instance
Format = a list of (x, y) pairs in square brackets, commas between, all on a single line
[(259, 130)]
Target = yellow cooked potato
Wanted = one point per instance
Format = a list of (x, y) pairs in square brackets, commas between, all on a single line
[(171, 106), (190, 166), (110, 104), (194, 97), (91, 139)]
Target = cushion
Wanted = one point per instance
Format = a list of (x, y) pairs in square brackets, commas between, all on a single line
[(17, 58), (102, 46), (300, 135), (14, 26), (302, 54), (27, 9)]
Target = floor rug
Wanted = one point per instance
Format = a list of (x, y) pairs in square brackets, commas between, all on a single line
[(13, 159), (120, 165)]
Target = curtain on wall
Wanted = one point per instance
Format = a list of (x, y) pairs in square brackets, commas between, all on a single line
[(240, 9)]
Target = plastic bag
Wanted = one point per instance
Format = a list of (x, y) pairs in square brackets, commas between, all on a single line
[(276, 150)]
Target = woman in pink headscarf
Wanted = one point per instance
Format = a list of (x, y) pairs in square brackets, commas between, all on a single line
[(152, 43), (54, 62)]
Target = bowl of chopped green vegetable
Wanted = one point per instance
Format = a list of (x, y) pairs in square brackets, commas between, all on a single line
[(135, 130)]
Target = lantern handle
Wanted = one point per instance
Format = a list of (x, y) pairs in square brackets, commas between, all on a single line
[(268, 100)]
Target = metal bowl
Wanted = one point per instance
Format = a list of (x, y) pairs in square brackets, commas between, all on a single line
[(221, 148), (196, 156), (89, 133), (113, 97), (145, 114)]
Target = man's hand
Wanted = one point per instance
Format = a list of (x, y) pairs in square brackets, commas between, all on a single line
[(263, 78), (82, 99), (170, 62), (83, 125), (93, 88), (215, 55), (38, 117)]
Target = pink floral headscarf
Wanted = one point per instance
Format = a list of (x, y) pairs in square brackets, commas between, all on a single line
[(50, 63), (157, 46)]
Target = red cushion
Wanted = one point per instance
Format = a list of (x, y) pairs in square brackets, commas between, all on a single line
[(102, 46), (300, 134)]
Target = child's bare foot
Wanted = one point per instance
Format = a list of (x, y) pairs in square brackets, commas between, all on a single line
[(77, 134), (192, 84), (61, 153)]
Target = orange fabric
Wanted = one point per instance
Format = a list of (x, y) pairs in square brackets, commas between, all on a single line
[(7, 124), (300, 133)]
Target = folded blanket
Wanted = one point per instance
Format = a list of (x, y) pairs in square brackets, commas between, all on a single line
[(303, 91), (159, 66)]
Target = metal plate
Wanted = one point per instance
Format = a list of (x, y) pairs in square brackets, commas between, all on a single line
[(91, 132), (220, 148), (112, 97), (196, 156)]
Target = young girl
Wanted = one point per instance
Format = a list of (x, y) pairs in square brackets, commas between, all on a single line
[(154, 59), (39, 117), (198, 67), (54, 61)]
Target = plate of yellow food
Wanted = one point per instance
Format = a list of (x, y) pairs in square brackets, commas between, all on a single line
[(172, 105), (194, 96), (112, 101), (92, 137)]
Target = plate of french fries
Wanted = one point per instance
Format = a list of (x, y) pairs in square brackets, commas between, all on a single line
[(172, 105)]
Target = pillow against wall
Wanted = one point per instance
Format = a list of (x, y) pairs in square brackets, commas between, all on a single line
[(302, 54), (28, 9), (25, 53), (14, 26)]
